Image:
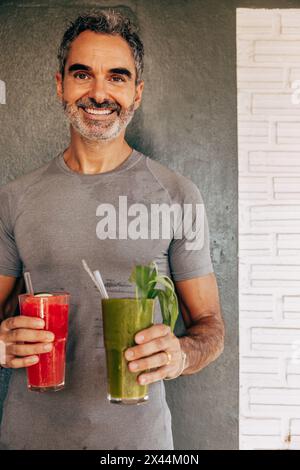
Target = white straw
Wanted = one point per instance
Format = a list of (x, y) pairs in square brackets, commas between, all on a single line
[(99, 287), (101, 283), (28, 283), (85, 265)]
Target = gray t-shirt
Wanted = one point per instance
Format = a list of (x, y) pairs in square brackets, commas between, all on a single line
[(50, 219)]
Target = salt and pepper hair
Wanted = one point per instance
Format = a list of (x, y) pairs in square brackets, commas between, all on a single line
[(107, 22)]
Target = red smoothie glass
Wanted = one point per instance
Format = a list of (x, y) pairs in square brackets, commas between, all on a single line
[(49, 373)]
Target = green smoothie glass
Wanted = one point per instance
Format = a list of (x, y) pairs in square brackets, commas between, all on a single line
[(122, 319)]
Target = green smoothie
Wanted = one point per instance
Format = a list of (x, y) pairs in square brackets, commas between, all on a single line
[(122, 319)]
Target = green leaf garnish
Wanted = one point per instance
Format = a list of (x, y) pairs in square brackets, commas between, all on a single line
[(146, 280)]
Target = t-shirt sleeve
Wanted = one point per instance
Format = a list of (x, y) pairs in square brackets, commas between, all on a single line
[(189, 254), (10, 262)]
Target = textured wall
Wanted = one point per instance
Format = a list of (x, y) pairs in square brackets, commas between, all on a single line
[(269, 157), (187, 121)]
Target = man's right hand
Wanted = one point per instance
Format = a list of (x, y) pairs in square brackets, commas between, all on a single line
[(14, 332)]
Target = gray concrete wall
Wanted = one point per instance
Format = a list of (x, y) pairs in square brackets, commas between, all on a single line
[(187, 121)]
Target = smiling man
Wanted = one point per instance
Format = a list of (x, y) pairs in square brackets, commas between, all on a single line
[(49, 221)]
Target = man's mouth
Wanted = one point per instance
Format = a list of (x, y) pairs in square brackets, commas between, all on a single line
[(99, 112)]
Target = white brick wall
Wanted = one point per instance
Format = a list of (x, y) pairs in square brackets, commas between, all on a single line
[(268, 62)]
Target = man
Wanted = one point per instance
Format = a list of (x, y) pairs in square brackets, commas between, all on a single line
[(50, 221)]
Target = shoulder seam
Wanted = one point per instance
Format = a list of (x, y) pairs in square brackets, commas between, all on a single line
[(26, 189), (155, 177)]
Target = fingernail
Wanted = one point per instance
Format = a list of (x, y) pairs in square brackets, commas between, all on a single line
[(50, 337), (143, 380), (47, 347), (33, 359), (129, 354), (40, 323), (133, 366), (139, 338)]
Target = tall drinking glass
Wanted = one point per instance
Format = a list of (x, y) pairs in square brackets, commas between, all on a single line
[(49, 373), (122, 319)]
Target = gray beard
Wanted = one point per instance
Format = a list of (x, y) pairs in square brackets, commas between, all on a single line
[(98, 131)]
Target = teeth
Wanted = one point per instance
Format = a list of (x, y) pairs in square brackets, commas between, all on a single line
[(102, 112)]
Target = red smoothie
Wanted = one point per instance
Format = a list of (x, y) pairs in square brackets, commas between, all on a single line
[(49, 373)]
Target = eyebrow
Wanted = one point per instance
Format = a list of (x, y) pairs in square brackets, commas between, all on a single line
[(121, 71), (75, 67), (87, 68)]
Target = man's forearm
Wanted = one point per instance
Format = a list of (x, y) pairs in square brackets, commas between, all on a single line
[(7, 310), (10, 288), (203, 343), (1, 313)]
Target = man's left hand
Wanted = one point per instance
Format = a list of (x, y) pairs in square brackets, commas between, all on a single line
[(157, 348)]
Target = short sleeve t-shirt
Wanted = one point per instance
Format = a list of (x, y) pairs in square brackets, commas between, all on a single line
[(50, 220)]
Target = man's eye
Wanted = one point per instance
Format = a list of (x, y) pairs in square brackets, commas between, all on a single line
[(81, 75), (117, 78)]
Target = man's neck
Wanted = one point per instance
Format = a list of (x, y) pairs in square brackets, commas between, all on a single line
[(89, 157)]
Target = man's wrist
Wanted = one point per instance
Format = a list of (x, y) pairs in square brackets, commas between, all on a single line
[(2, 353), (183, 340)]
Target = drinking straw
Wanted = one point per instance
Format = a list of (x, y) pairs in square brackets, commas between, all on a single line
[(98, 278), (99, 287), (28, 283)]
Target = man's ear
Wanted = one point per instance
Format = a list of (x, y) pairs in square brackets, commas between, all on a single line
[(59, 85), (138, 94)]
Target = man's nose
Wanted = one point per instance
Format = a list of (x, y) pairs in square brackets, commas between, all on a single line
[(98, 90)]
